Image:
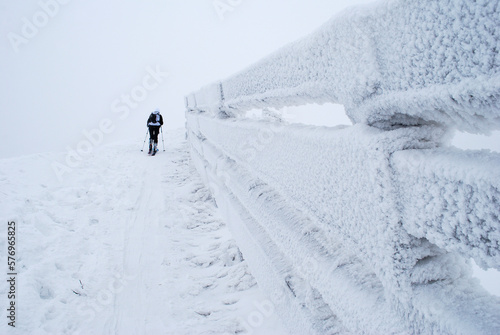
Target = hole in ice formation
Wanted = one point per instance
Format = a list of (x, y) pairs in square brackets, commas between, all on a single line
[(328, 114), (477, 142), (489, 279)]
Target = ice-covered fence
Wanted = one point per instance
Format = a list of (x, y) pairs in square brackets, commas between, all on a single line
[(396, 62), (351, 221), (369, 228)]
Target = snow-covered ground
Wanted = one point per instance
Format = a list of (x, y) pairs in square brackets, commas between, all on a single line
[(124, 244)]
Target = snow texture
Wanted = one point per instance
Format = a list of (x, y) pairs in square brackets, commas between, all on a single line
[(125, 244), (451, 197), (369, 228), (394, 62), (321, 216), (208, 99)]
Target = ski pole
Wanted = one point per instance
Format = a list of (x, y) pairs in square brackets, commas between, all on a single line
[(161, 129), (144, 140)]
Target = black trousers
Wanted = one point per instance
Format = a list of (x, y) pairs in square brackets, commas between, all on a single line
[(153, 133)]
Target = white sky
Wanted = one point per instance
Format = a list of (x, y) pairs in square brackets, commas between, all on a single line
[(66, 77)]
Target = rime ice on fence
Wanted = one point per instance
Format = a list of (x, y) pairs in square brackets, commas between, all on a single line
[(367, 228), (399, 62)]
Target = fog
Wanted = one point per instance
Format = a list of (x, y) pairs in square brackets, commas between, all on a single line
[(67, 65)]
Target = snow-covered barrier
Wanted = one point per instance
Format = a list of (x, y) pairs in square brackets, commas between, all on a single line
[(369, 228), (395, 62), (357, 229), (452, 198), (207, 99)]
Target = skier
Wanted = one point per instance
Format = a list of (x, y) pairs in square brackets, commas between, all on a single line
[(155, 121)]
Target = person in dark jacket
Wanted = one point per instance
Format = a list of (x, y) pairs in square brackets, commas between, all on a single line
[(155, 121)]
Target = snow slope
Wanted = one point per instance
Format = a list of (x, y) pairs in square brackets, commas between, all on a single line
[(125, 244)]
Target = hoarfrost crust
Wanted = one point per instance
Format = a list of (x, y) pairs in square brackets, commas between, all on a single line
[(395, 62)]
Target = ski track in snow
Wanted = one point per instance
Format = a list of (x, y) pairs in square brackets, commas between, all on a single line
[(126, 244)]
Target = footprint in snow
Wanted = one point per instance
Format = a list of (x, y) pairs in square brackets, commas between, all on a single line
[(204, 313), (46, 293), (230, 302)]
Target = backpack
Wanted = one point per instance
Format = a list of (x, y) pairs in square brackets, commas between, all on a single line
[(152, 118)]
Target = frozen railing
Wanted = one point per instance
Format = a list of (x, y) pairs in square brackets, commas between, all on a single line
[(368, 228), (397, 62)]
